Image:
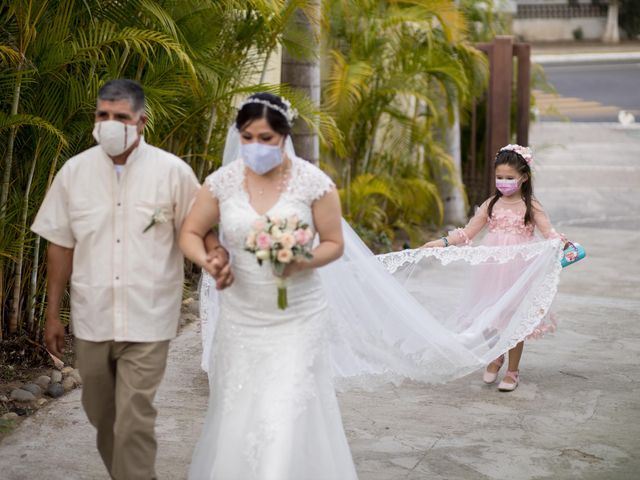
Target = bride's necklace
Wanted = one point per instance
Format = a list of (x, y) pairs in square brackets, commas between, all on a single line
[(281, 183)]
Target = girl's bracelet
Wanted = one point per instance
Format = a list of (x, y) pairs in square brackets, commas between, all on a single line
[(445, 241)]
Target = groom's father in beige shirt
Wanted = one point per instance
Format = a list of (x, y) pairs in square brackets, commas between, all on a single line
[(112, 218)]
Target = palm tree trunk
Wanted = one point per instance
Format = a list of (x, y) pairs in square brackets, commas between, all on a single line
[(33, 289), (8, 160), (454, 202), (43, 303), (207, 142), (17, 286), (265, 66), (304, 75), (369, 151), (6, 181), (372, 142), (33, 293)]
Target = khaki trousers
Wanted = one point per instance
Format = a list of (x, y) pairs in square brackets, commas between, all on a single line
[(120, 380)]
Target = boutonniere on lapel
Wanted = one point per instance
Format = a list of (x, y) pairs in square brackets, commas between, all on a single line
[(157, 217)]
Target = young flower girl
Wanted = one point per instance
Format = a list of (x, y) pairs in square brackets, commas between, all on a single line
[(511, 216)]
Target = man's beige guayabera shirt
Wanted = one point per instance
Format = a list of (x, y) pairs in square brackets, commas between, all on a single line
[(126, 284)]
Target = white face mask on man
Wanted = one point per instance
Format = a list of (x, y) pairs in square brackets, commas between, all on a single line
[(261, 158), (115, 137)]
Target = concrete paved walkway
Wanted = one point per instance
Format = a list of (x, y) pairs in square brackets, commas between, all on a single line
[(575, 416)]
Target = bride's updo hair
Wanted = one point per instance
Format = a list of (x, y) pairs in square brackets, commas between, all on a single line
[(250, 112)]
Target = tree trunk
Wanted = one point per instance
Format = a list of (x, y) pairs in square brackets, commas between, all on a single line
[(454, 204), (207, 142), (6, 182), (304, 75), (265, 66), (17, 286), (611, 32), (33, 290), (8, 161)]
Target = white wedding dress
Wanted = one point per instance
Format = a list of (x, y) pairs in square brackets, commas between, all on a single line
[(273, 413)]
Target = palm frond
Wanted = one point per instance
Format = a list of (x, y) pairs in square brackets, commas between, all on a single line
[(22, 120)]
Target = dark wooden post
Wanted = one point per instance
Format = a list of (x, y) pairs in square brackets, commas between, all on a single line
[(523, 54), (480, 178), (499, 102)]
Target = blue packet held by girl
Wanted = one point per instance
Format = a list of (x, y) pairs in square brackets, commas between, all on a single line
[(572, 254)]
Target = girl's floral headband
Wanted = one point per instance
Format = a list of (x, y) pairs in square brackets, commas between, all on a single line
[(524, 152), (289, 113)]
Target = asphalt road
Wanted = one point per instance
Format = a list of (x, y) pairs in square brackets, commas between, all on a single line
[(592, 92)]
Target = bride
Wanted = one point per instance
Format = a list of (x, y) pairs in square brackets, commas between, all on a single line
[(354, 319), (273, 412)]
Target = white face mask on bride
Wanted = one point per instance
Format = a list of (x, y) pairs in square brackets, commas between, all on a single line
[(115, 137), (261, 158)]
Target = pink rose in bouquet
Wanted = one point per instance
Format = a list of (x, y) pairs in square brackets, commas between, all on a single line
[(303, 235), (285, 255), (263, 240), (288, 241), (280, 242)]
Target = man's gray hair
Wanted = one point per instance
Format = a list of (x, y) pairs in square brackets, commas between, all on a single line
[(123, 89)]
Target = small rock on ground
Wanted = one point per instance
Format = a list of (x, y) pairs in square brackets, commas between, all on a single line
[(69, 384), (43, 381), (56, 376), (36, 390), (75, 374), (23, 396), (55, 390)]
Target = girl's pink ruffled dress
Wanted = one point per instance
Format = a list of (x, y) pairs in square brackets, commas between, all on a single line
[(489, 283)]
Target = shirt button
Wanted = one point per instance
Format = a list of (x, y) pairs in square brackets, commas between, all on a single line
[(118, 240), (119, 204), (117, 278)]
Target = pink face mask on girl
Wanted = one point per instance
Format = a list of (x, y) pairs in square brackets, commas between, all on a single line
[(508, 187)]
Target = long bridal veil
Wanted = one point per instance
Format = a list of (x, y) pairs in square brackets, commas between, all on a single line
[(429, 315)]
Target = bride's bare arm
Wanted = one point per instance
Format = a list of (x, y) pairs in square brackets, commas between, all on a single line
[(203, 215), (327, 216), (196, 238)]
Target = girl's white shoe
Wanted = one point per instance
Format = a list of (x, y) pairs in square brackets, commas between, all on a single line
[(508, 386), (490, 377)]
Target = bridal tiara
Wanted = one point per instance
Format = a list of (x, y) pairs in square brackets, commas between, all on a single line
[(290, 113), (524, 152)]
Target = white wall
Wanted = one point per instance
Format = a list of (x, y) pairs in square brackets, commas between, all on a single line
[(554, 29)]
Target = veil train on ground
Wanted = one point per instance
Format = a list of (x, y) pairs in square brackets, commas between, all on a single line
[(418, 314)]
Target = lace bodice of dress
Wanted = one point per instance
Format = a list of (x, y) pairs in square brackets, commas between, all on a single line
[(507, 220), (507, 217), (307, 184)]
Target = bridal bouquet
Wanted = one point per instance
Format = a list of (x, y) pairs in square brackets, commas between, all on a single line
[(280, 242)]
